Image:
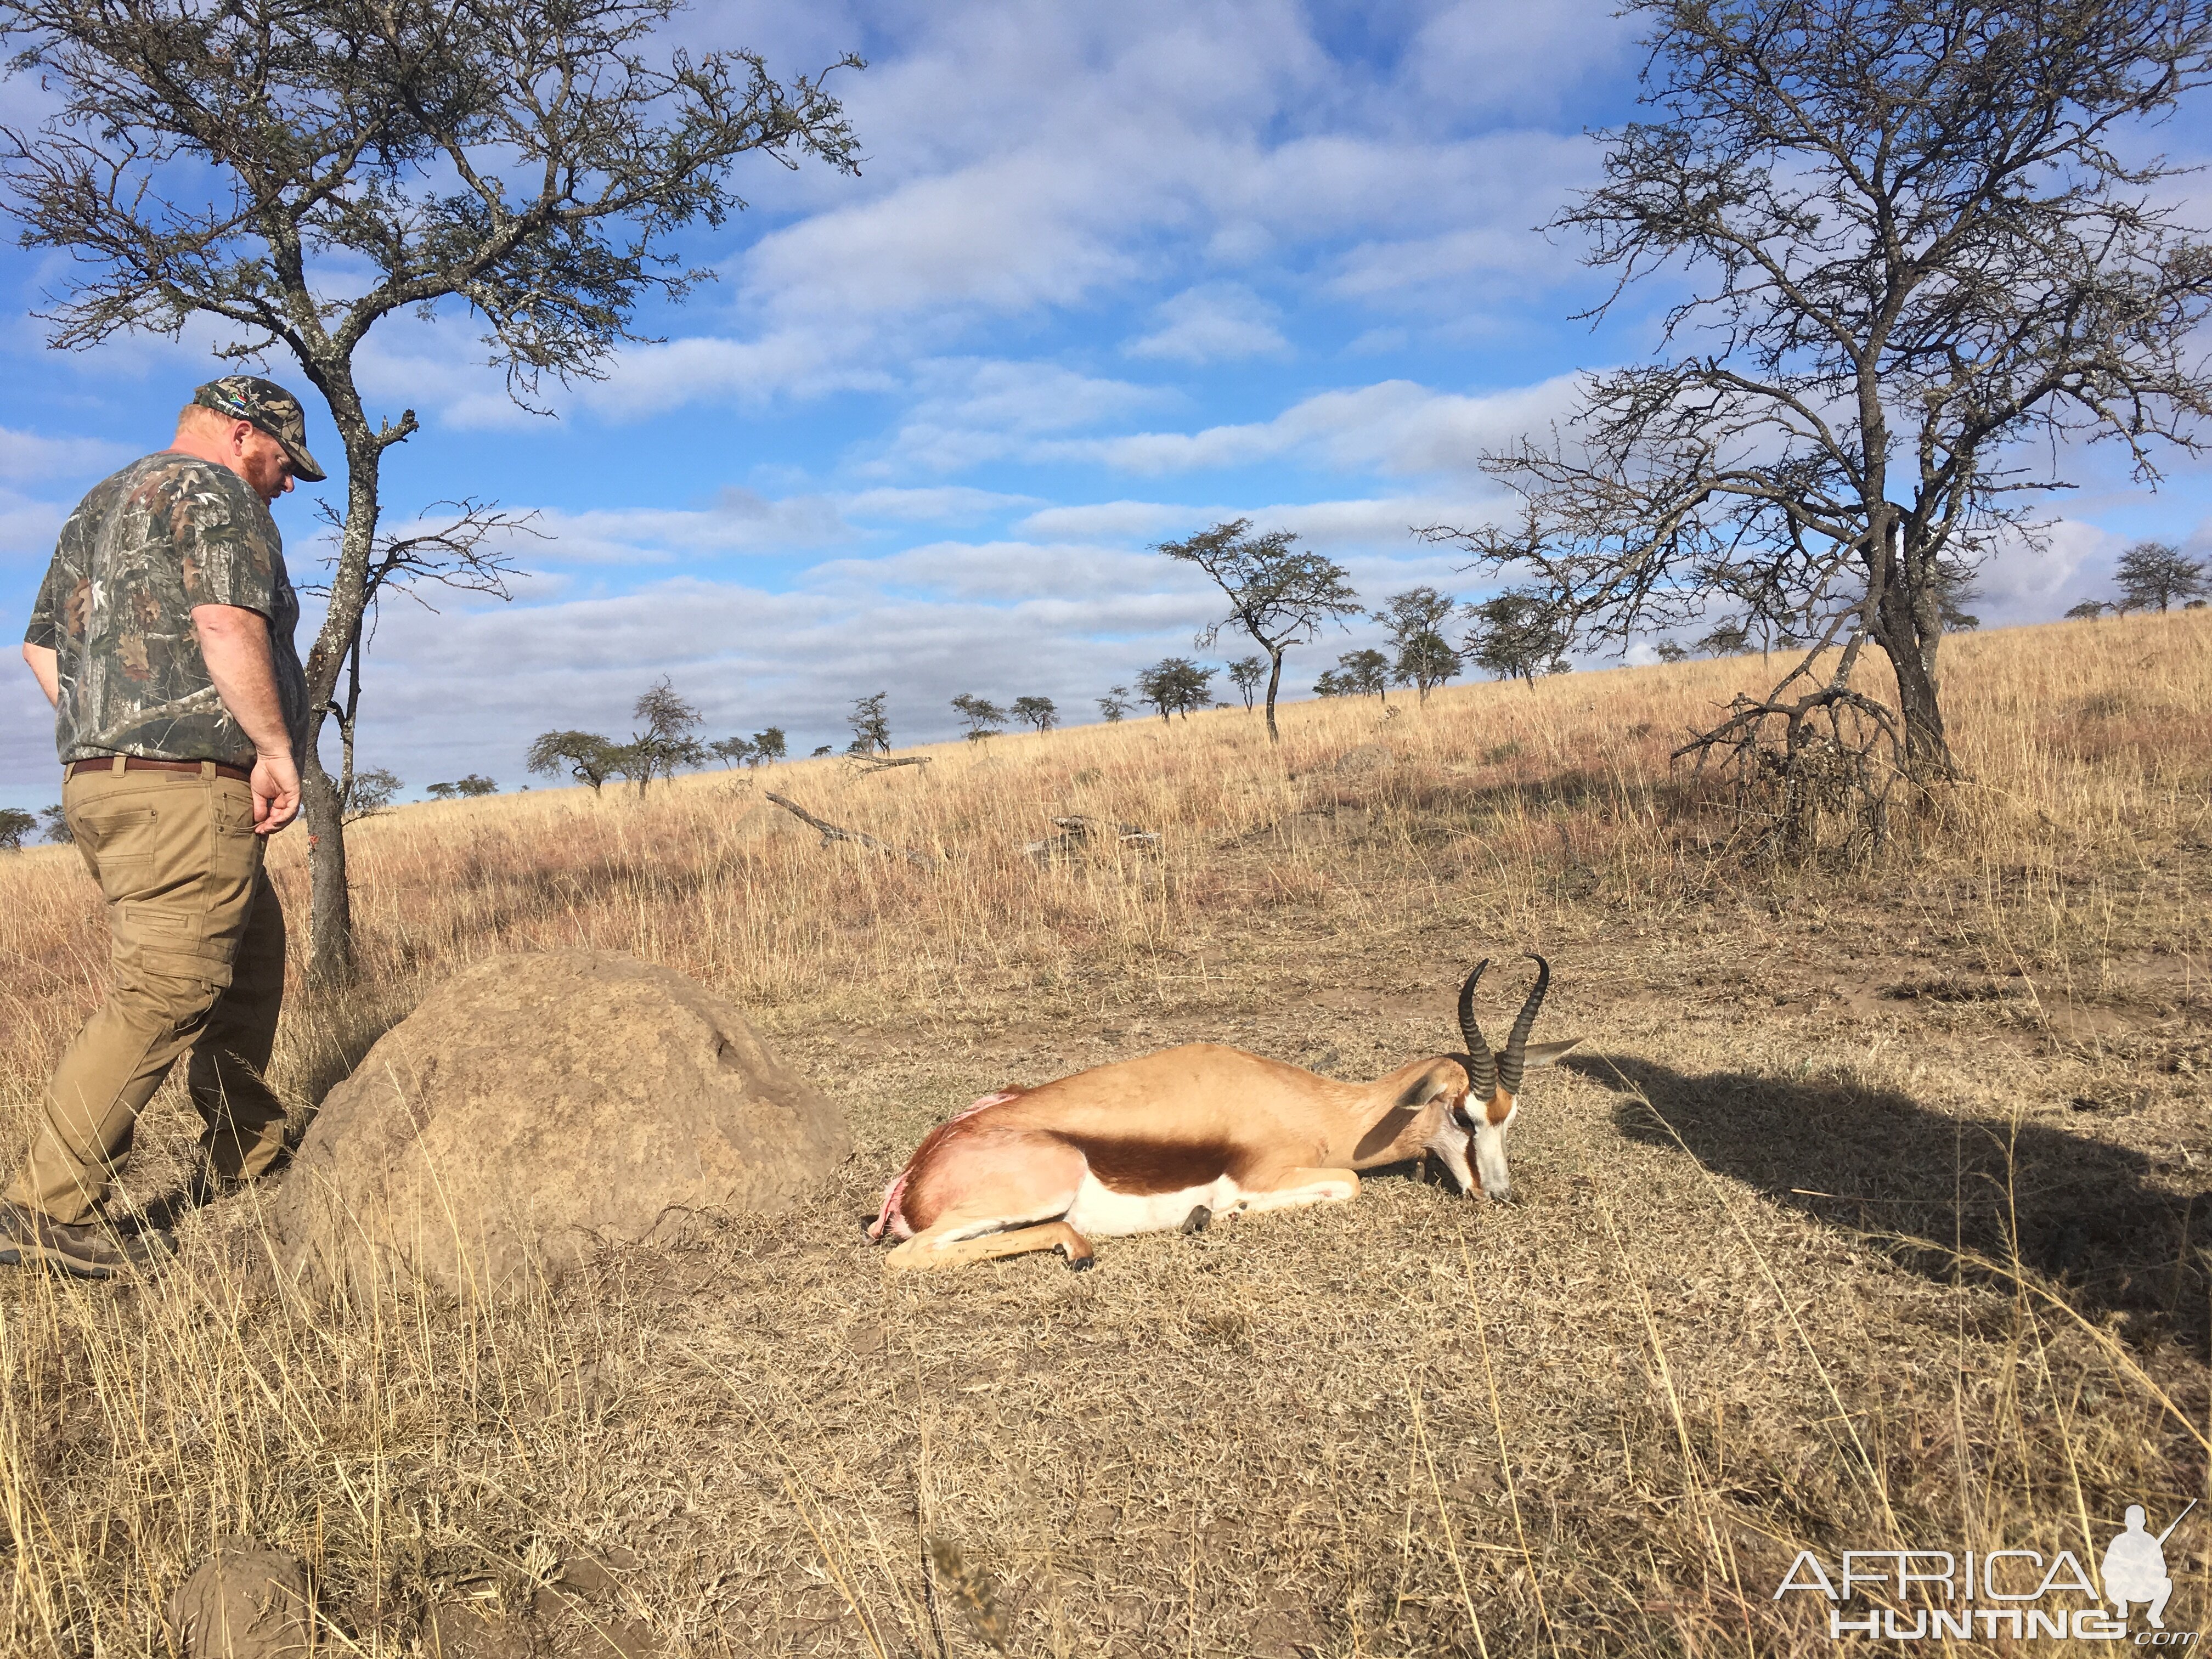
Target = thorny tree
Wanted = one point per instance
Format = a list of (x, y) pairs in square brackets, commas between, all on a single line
[(664, 742), (982, 717), (1364, 673), (1175, 686), (2157, 574), (1518, 636), (585, 756), (1278, 594), (871, 722), (1416, 619), (1246, 674), (298, 172), (1924, 248)]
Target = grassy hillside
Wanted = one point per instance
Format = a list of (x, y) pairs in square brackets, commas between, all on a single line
[(1873, 1215)]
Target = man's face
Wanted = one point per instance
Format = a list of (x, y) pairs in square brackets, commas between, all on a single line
[(262, 461)]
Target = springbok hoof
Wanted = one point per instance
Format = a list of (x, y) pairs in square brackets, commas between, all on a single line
[(1196, 1221), (1077, 1264)]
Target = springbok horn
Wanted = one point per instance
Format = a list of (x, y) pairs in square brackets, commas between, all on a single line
[(1516, 1044), (1481, 1071)]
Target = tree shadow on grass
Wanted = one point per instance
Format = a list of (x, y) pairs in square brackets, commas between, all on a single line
[(2087, 1220)]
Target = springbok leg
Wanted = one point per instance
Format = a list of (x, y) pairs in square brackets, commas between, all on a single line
[(1295, 1188), (931, 1249)]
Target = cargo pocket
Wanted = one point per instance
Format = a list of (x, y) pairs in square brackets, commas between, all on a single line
[(235, 853), (164, 950)]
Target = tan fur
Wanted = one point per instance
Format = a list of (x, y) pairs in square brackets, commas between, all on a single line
[(1162, 1124)]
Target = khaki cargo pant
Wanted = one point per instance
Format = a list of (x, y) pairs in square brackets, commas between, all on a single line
[(198, 963)]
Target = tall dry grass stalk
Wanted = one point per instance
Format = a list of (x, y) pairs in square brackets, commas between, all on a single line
[(1826, 1250)]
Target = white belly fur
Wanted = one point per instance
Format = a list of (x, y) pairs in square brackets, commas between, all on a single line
[(1099, 1212)]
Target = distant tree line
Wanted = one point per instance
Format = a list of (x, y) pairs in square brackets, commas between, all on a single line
[(665, 741), (984, 718)]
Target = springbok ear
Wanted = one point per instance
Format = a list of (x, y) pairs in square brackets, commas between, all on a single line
[(1548, 1053), (1439, 1078)]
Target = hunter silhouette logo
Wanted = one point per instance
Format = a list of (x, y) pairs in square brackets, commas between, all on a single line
[(2135, 1568), (1933, 1596)]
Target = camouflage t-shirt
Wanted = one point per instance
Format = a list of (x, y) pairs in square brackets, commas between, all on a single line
[(163, 535)]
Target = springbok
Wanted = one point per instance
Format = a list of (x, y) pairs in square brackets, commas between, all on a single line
[(1179, 1137)]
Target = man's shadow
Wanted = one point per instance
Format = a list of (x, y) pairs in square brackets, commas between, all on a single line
[(2083, 1218)]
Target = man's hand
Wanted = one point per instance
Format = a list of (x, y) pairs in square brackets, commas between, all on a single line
[(276, 786), (235, 643)]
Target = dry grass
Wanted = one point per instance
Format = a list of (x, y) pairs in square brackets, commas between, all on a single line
[(1871, 1219)]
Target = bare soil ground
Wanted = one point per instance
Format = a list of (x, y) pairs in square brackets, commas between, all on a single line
[(1871, 1215)]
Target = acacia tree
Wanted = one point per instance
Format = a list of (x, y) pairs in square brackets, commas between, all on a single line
[(372, 792), (871, 722), (664, 740), (982, 717), (1517, 635), (1246, 674), (1921, 258), (585, 755), (1364, 673), (297, 171), (2159, 574), (1277, 592), (1039, 712), (1416, 619), (1175, 685)]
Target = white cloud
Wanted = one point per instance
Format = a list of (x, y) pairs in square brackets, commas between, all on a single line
[(740, 521), (1010, 572), (28, 529), (36, 457), (1393, 427), (1526, 59), (1218, 322), (2035, 578), (932, 504), (1118, 519), (800, 362), (975, 410), (1331, 525)]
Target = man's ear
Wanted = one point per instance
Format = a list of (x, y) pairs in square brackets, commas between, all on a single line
[(1548, 1053)]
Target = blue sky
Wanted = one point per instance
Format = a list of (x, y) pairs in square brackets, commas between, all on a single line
[(1109, 274)]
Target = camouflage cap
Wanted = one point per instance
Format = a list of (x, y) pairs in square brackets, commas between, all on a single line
[(269, 406)]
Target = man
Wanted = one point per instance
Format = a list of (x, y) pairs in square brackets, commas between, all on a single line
[(163, 638)]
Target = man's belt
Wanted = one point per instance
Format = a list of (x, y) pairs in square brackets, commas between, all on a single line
[(139, 764)]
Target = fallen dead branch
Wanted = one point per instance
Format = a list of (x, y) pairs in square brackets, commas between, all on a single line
[(831, 832), (867, 764), (1078, 832)]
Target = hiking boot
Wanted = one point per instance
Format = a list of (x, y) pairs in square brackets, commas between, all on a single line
[(86, 1250)]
